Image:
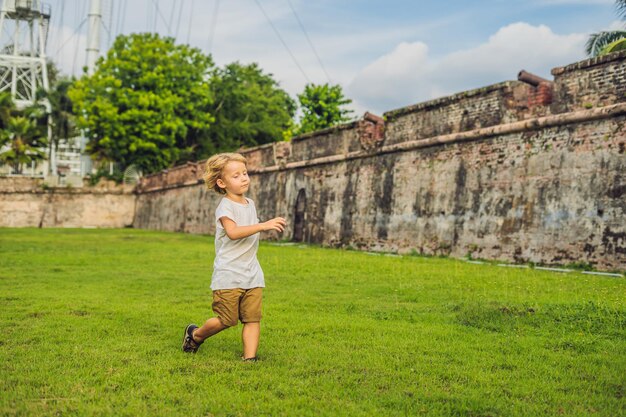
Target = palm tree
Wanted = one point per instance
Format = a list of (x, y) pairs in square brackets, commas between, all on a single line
[(603, 43), (61, 115), (26, 143), (57, 112), (6, 109), (63, 121)]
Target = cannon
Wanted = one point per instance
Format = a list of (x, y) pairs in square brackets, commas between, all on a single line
[(531, 79)]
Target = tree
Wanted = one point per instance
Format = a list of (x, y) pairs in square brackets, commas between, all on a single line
[(147, 103), (62, 119), (26, 143), (7, 107), (322, 107), (250, 109), (605, 42), (54, 107), (35, 127)]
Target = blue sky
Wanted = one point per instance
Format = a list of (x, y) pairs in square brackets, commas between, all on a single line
[(384, 54)]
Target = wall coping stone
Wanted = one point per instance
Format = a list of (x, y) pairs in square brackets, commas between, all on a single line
[(322, 132), (129, 190), (171, 186), (580, 116), (590, 62), (37, 185), (258, 147), (442, 101)]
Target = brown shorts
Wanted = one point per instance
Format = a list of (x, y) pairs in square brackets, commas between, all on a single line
[(237, 304)]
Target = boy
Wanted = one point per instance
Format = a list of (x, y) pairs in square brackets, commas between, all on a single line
[(237, 280)]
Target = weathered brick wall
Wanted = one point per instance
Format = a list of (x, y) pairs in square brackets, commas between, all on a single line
[(509, 171), (26, 202), (189, 174), (530, 196), (328, 142), (596, 82), (488, 106), (180, 209)]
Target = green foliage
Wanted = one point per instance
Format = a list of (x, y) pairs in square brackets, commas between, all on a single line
[(615, 46), (153, 104), (602, 43), (26, 141), (62, 117), (92, 322), (322, 107), (7, 107), (605, 42), (620, 7), (28, 136), (147, 103), (250, 109), (581, 265), (104, 172), (24, 132), (55, 107)]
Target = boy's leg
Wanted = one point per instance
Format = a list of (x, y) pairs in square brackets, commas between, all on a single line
[(209, 328), (225, 306), (250, 316), (250, 336)]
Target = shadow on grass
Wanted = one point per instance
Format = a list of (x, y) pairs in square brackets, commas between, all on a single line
[(588, 318)]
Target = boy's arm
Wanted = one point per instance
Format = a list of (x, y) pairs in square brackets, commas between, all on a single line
[(235, 232)]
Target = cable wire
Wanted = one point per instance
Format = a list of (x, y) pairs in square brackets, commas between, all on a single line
[(124, 16), (117, 18), (213, 25), (61, 15), (156, 14), (190, 22), (156, 5), (148, 17), (111, 10), (172, 14), (180, 14), (71, 37), (306, 35), (80, 11), (282, 41)]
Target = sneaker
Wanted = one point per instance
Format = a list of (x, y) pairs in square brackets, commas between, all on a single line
[(190, 345), (255, 359)]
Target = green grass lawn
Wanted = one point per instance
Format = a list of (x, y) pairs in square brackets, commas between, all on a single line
[(91, 324)]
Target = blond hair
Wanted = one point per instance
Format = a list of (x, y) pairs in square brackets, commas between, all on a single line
[(214, 166)]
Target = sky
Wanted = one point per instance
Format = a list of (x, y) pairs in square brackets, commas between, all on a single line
[(385, 55)]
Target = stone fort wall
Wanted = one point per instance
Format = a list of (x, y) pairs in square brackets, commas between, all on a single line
[(30, 202), (511, 171)]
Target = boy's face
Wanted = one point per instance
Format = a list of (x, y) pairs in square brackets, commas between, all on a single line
[(234, 178)]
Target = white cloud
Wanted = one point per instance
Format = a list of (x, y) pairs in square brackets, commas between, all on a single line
[(617, 25), (244, 34), (409, 75), (405, 72)]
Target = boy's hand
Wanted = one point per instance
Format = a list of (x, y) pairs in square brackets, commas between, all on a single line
[(277, 224)]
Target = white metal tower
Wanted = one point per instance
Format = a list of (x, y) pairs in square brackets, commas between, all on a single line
[(93, 37), (23, 34)]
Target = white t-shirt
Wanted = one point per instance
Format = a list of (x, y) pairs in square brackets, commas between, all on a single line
[(236, 265)]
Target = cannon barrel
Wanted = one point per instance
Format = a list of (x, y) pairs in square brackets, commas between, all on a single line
[(531, 79)]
